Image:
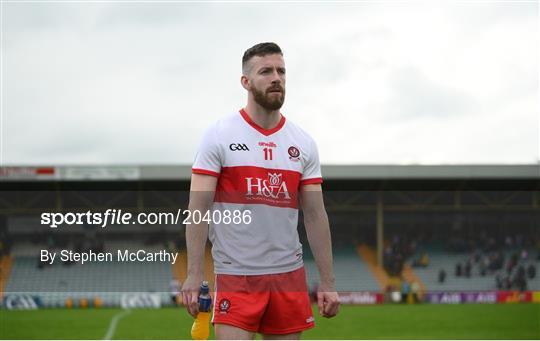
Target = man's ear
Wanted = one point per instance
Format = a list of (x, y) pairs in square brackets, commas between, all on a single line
[(245, 82)]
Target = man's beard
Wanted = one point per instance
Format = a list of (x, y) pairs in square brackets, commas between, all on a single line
[(263, 99)]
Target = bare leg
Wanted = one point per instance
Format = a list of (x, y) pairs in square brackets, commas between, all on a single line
[(293, 336), (228, 332)]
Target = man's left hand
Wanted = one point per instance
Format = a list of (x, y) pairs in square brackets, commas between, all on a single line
[(328, 303)]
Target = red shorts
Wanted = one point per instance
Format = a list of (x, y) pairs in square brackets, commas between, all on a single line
[(267, 304)]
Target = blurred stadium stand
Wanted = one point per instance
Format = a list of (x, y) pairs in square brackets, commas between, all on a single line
[(368, 206), (107, 280), (352, 273)]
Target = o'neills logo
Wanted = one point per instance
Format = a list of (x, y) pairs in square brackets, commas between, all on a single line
[(274, 187)]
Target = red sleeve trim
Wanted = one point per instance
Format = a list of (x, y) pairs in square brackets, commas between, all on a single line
[(311, 181), (204, 171)]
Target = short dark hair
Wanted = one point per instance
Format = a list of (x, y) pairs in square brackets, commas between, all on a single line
[(261, 50)]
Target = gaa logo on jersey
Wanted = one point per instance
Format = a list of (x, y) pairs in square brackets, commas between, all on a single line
[(224, 306), (273, 187), (238, 146), (294, 153)]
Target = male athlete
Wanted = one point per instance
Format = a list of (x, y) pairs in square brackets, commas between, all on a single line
[(258, 162)]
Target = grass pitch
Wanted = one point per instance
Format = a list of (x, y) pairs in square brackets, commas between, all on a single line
[(468, 321)]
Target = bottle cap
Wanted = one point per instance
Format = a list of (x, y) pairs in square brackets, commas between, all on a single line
[(204, 288)]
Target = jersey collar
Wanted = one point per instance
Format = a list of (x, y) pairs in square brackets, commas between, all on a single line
[(265, 132)]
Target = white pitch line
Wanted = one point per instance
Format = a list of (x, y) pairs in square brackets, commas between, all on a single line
[(114, 322)]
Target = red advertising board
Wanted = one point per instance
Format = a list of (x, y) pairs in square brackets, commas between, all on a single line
[(23, 173), (514, 296)]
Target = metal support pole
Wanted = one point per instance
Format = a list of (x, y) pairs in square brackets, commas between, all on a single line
[(380, 229)]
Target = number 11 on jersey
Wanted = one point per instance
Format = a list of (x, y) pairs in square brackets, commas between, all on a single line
[(267, 153)]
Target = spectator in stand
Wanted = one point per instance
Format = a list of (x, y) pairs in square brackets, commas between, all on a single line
[(487, 262), (477, 256), (506, 284), (483, 270), (524, 255), (508, 241), (405, 290), (423, 261), (387, 258), (499, 260), (458, 270), (442, 276), (498, 281), (511, 263), (520, 281), (531, 271), (400, 260), (468, 268), (492, 244)]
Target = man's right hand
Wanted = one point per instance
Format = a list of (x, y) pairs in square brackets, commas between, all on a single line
[(190, 294)]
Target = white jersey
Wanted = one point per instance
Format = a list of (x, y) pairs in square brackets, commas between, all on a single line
[(260, 170)]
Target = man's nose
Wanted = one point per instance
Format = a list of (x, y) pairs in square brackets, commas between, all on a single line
[(276, 77)]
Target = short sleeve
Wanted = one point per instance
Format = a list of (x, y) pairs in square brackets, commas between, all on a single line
[(208, 159), (312, 168)]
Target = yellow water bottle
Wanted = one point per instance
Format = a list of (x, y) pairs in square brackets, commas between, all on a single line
[(200, 330)]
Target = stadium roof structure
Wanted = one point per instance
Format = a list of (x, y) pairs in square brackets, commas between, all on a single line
[(330, 172)]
